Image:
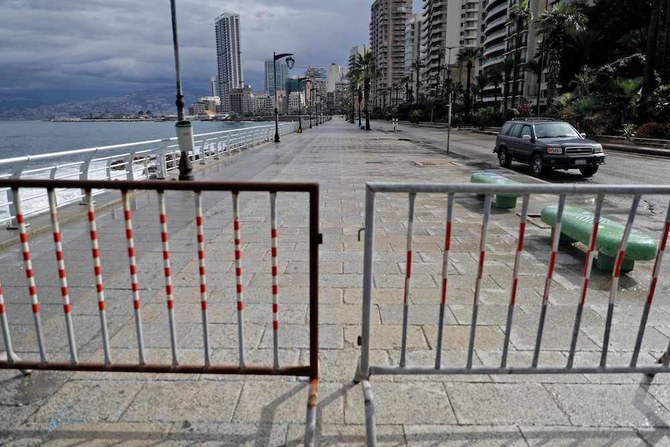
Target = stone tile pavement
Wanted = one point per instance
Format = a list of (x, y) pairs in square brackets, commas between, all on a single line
[(134, 409)]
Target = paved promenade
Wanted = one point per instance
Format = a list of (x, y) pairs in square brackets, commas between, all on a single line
[(133, 409)]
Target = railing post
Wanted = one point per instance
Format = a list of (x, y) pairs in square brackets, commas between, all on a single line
[(11, 197), (130, 166), (160, 159), (83, 173)]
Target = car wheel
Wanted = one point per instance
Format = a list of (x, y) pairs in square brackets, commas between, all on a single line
[(537, 166), (588, 171), (503, 158)]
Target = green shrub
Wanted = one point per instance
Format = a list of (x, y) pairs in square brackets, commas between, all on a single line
[(487, 117), (415, 116), (652, 130)]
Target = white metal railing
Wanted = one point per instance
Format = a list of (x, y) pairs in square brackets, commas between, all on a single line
[(131, 161)]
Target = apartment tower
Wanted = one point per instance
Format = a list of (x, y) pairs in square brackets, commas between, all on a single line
[(228, 55), (440, 31), (387, 43), (412, 54)]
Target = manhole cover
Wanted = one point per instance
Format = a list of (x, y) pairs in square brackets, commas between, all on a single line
[(433, 162)]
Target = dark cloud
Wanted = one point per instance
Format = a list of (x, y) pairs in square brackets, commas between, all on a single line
[(126, 45)]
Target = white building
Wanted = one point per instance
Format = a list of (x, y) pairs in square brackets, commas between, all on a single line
[(336, 73), (296, 102), (229, 56), (206, 105), (264, 104), (242, 101)]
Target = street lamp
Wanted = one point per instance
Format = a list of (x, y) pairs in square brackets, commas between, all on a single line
[(289, 63), (184, 128), (314, 94), (309, 81), (300, 103), (450, 94)]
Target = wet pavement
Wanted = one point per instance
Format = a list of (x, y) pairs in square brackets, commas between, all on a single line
[(151, 409)]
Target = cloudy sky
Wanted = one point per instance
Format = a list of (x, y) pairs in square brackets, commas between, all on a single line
[(56, 49)]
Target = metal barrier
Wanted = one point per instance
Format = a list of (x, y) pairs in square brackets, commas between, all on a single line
[(124, 189), (365, 369), (131, 161)]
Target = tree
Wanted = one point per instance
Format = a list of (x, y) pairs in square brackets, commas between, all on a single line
[(553, 26), (507, 68), (495, 78), (355, 82), (535, 66), (650, 59), (365, 64), (481, 82), (520, 13), (468, 56), (417, 65)]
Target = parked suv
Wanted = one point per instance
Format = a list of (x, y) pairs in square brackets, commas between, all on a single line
[(547, 144)]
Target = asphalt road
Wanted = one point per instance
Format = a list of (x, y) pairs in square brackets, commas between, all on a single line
[(477, 150)]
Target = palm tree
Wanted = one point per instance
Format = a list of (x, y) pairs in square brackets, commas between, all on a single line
[(507, 68), (650, 53), (481, 81), (520, 13), (365, 64), (356, 83), (468, 56), (535, 66), (553, 26), (495, 77), (417, 65)]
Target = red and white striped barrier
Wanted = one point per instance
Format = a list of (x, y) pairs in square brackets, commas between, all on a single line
[(97, 269), (130, 192), (62, 274)]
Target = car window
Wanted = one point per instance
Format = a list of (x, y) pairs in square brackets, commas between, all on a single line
[(506, 129), (516, 132), (526, 130), (555, 130)]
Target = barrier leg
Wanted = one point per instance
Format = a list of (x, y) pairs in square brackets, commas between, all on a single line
[(370, 427), (310, 424)]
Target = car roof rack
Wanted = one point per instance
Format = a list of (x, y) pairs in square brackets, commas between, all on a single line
[(534, 118)]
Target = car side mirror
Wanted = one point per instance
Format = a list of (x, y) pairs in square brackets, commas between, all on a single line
[(526, 138), (583, 135)]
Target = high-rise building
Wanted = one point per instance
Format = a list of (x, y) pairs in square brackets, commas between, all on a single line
[(336, 73), (412, 52), (353, 54), (387, 43), (282, 76), (441, 30), (229, 56), (214, 86)]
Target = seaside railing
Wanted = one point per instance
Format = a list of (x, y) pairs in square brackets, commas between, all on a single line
[(153, 159)]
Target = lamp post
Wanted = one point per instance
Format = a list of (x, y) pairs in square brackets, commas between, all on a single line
[(311, 98), (184, 128), (289, 63), (300, 104), (450, 95), (315, 97)]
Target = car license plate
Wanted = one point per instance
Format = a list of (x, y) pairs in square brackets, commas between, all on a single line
[(580, 162)]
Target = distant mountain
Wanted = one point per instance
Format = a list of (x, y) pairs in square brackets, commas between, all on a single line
[(158, 101)]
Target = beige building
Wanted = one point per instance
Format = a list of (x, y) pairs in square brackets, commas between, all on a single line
[(387, 43), (412, 53)]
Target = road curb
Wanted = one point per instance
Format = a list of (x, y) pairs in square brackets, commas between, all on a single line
[(636, 150)]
